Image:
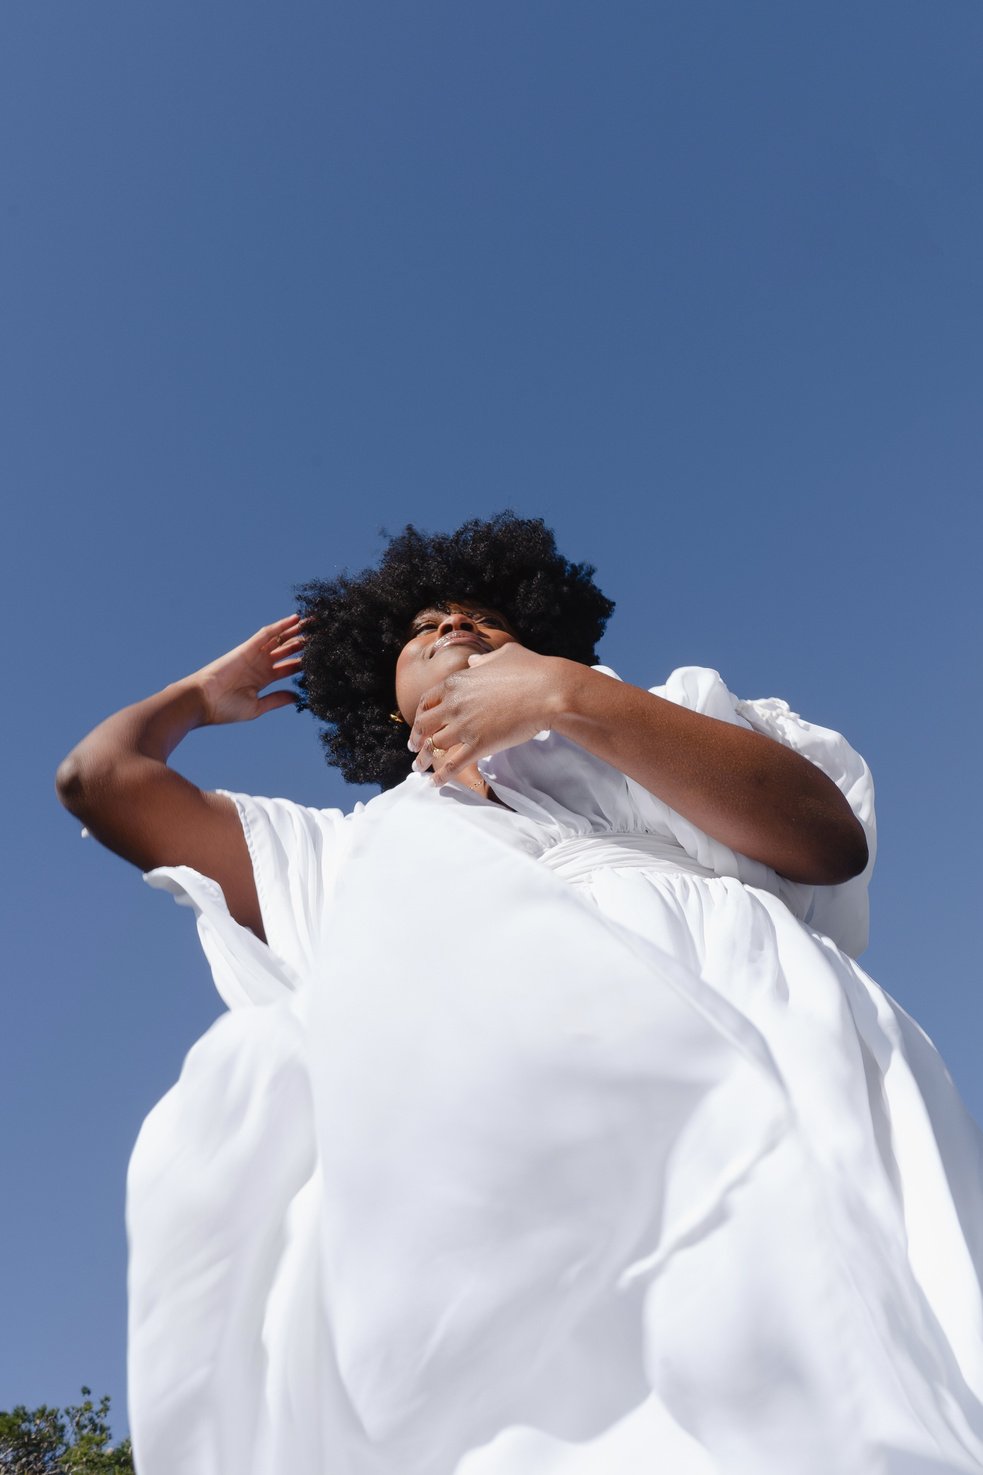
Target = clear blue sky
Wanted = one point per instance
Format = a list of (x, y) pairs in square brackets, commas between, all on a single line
[(698, 282)]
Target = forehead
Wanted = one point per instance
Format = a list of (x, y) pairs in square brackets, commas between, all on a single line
[(457, 606)]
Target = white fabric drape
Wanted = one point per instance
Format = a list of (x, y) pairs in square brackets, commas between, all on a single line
[(555, 1140)]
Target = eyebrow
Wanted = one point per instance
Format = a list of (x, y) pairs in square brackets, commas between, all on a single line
[(465, 606)]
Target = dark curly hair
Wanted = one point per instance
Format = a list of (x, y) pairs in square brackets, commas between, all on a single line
[(359, 623)]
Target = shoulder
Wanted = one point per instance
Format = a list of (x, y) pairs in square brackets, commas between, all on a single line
[(698, 688), (279, 831)]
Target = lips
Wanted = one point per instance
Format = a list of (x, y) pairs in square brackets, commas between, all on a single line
[(460, 637)]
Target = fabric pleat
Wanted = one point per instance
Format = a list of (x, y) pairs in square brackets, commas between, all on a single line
[(552, 1140)]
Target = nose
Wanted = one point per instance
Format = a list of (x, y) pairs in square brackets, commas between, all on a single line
[(456, 620)]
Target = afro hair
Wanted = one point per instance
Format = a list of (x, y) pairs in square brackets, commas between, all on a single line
[(359, 623)]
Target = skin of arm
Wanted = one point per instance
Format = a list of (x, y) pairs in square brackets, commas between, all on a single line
[(118, 783), (743, 789)]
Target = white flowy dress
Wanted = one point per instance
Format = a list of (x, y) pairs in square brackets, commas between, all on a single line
[(552, 1140)]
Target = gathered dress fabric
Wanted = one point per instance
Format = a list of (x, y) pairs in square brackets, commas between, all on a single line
[(555, 1139)]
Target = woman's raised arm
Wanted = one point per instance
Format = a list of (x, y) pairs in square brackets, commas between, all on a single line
[(117, 782)]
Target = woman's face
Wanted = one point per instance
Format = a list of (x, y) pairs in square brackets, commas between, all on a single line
[(439, 641)]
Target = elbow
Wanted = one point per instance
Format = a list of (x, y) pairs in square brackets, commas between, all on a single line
[(68, 779), (70, 783), (856, 852), (77, 781), (843, 856), (828, 852)]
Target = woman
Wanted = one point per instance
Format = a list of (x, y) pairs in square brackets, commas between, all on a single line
[(552, 1126)]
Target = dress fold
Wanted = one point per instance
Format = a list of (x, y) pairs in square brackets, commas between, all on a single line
[(552, 1139)]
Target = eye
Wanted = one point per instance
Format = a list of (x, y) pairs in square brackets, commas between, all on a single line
[(420, 626)]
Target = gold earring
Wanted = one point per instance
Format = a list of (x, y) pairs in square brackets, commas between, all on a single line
[(398, 718)]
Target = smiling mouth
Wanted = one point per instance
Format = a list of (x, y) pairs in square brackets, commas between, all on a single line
[(464, 638)]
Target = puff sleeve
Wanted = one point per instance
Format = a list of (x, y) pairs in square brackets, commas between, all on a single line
[(840, 912), (296, 852)]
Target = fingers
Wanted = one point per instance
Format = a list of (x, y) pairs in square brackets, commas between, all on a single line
[(445, 761), (276, 629), (275, 699), (282, 643), (273, 636), (432, 751), (455, 758), (428, 720), (287, 654)]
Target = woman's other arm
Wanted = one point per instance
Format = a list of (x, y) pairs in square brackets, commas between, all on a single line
[(742, 788), (118, 783)]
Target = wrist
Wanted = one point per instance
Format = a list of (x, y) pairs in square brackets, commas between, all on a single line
[(565, 689), (190, 701)]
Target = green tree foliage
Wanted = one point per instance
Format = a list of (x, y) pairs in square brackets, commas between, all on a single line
[(71, 1441)]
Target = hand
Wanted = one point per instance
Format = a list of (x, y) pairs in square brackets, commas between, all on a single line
[(230, 686), (502, 699)]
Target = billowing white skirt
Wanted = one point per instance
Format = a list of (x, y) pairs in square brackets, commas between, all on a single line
[(602, 1169)]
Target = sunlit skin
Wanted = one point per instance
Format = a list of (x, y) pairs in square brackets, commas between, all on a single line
[(466, 684), (442, 641), (751, 793)]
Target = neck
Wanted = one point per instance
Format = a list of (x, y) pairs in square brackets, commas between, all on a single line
[(470, 778)]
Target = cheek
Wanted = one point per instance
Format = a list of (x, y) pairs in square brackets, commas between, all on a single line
[(410, 685)]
